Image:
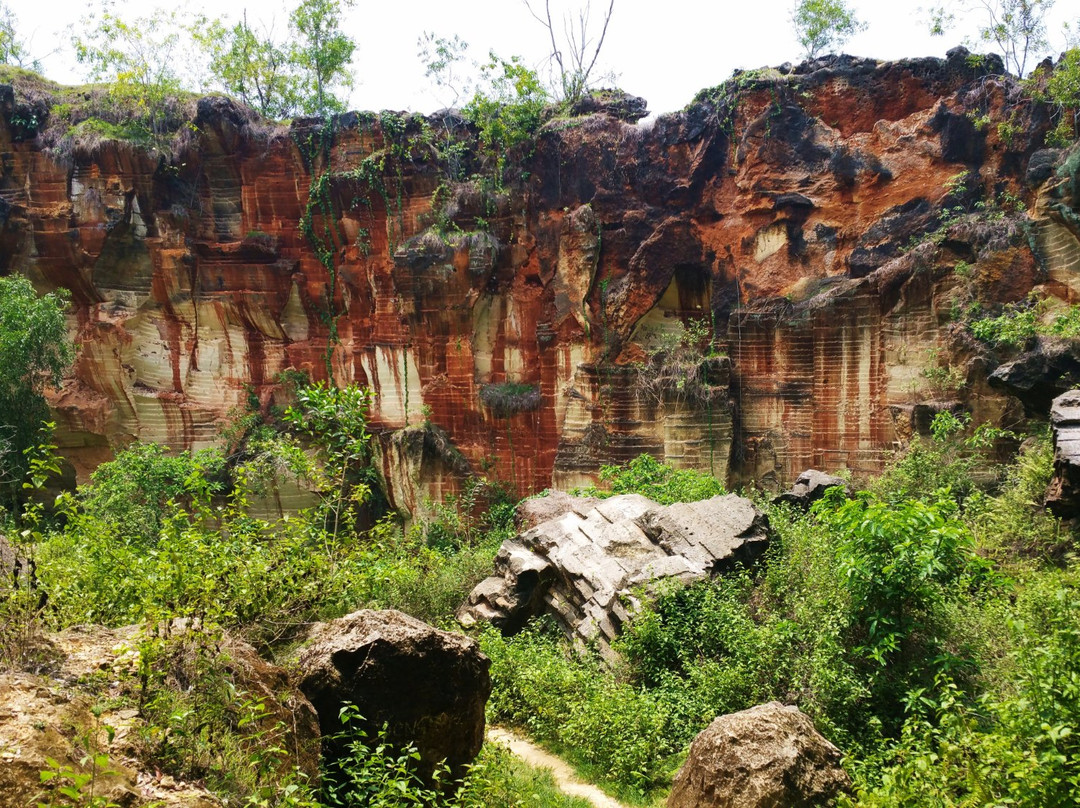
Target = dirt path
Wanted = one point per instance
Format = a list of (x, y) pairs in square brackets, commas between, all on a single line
[(565, 777)]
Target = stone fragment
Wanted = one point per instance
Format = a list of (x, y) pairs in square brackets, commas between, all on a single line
[(809, 487), (429, 687), (769, 756), (583, 565)]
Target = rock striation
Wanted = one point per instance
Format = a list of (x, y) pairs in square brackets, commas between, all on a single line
[(428, 687), (586, 566), (752, 286), (765, 757), (1063, 497)]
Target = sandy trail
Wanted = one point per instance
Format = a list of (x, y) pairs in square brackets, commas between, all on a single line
[(565, 777)]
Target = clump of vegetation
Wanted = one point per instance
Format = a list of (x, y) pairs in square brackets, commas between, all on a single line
[(1019, 323), (506, 398), (658, 481)]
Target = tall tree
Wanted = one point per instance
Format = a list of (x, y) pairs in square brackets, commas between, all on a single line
[(13, 51), (251, 66), (34, 352), (138, 58), (821, 25), (322, 53), (1016, 27)]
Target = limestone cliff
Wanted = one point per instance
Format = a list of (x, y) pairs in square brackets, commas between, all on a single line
[(755, 285)]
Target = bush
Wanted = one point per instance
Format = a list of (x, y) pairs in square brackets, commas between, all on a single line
[(658, 481)]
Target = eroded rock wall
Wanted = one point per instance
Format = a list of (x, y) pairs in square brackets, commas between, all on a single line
[(736, 287)]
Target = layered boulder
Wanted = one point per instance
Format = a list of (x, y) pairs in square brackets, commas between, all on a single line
[(769, 756), (584, 566), (427, 687), (1063, 498)]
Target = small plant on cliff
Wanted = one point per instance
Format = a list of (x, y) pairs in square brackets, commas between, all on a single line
[(506, 398), (823, 24)]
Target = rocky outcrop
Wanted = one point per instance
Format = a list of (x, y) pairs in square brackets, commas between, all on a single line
[(1037, 376), (1063, 497), (765, 757), (748, 286), (809, 487), (585, 566), (429, 687), (49, 715)]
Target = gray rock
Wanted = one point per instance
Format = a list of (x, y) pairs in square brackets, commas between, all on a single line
[(583, 565), (550, 505), (1063, 496), (809, 487), (765, 757), (429, 687)]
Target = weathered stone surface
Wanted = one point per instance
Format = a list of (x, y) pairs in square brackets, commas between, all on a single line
[(1037, 376), (1063, 496), (775, 213), (428, 686), (48, 715), (769, 756), (809, 487), (581, 564), (533, 511)]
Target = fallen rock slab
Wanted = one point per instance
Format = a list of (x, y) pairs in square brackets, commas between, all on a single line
[(429, 687), (584, 566), (1063, 496), (769, 756)]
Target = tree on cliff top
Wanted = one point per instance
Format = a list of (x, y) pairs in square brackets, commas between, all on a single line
[(573, 56), (138, 58), (1016, 27), (34, 352), (821, 25), (13, 51), (321, 54), (250, 66)]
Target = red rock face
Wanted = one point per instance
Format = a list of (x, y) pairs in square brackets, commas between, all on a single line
[(765, 226)]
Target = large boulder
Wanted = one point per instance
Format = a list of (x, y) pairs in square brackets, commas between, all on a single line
[(584, 566), (429, 687), (809, 487), (769, 756), (1050, 367), (1063, 498)]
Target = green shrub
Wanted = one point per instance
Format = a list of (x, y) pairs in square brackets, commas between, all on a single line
[(658, 481)]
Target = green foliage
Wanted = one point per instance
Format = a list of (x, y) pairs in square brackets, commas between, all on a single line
[(13, 50), (335, 418), (321, 53), (1062, 92), (250, 66), (374, 774), (658, 481), (507, 111), (67, 786), (823, 24), (132, 494), (576, 703), (1020, 322), (1016, 27), (899, 562), (34, 352), (138, 59)]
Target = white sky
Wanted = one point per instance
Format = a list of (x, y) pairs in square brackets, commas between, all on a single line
[(664, 50)]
